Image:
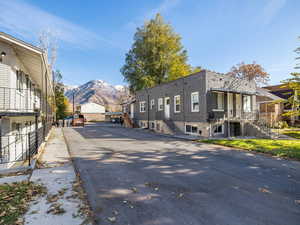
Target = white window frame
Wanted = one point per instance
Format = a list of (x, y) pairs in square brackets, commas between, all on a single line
[(142, 106), (220, 102), (193, 133), (222, 132), (192, 103), (152, 104), (175, 104), (247, 108), (160, 104)]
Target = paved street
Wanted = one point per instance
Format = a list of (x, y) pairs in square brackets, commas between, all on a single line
[(140, 178)]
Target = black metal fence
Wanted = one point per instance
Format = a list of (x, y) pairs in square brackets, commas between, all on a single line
[(21, 147)]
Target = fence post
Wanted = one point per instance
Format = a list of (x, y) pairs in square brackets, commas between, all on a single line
[(36, 133), (29, 152), (0, 145)]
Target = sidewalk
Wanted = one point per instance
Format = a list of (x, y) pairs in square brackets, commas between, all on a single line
[(64, 203)]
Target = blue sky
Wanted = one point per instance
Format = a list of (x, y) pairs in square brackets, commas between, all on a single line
[(94, 36)]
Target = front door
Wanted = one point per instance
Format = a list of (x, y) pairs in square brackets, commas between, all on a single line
[(238, 105), (132, 111), (167, 108)]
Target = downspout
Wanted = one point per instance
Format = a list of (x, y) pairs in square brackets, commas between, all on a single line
[(148, 111), (183, 102), (228, 122)]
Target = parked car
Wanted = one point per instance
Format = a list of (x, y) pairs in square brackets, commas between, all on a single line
[(115, 120), (78, 120)]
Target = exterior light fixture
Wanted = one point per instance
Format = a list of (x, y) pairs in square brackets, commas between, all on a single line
[(3, 54)]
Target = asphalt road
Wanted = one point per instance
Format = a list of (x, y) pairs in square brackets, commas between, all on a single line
[(139, 178)]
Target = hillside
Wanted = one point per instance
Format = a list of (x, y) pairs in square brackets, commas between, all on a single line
[(99, 92)]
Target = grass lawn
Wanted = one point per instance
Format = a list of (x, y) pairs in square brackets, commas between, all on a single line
[(280, 148), (14, 200), (291, 133)]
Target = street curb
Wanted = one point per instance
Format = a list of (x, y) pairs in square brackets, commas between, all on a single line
[(85, 182)]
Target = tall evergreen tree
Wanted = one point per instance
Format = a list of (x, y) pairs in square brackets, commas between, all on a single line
[(157, 55)]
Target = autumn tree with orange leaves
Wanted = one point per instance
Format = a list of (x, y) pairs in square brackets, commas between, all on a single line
[(251, 72)]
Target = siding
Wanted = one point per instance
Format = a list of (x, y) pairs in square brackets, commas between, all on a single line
[(183, 87)]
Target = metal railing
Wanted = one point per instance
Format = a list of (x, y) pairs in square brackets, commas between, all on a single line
[(223, 115), (21, 147), (19, 100)]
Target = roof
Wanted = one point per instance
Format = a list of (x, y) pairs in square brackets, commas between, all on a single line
[(113, 113), (266, 93), (277, 87), (34, 58), (233, 91), (21, 43)]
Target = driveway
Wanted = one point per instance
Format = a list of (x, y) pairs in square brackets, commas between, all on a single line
[(134, 177)]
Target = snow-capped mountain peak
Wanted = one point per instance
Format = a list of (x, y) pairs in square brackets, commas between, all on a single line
[(100, 92)]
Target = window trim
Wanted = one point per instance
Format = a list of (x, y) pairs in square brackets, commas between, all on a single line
[(223, 128), (152, 103), (177, 96), (192, 108), (144, 109), (191, 125), (160, 105), (250, 101), (221, 96)]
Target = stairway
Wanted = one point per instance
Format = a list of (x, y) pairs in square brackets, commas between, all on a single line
[(261, 129), (172, 127), (128, 121)]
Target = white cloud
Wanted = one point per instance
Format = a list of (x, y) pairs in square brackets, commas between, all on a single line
[(20, 18), (164, 7), (271, 9)]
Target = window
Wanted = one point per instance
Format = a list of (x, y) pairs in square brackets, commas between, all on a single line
[(152, 103), (16, 128), (27, 81), (220, 101), (160, 104), (219, 129), (18, 80), (247, 103), (191, 129), (195, 101), (177, 103), (142, 106)]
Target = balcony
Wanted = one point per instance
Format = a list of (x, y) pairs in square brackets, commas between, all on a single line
[(217, 116), (13, 100)]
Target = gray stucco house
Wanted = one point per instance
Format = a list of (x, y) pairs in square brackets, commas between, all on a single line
[(206, 104)]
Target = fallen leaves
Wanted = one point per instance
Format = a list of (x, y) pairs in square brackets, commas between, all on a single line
[(56, 209), (264, 190), (15, 198), (112, 219)]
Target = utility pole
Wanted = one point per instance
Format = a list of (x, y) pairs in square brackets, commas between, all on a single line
[(73, 104)]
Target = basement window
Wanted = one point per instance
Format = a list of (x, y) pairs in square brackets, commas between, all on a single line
[(190, 129), (219, 129), (152, 125)]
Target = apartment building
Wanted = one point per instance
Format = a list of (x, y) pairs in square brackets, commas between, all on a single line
[(207, 104), (26, 99)]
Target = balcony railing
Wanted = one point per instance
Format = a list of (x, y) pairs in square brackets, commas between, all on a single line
[(21, 147), (19, 100), (217, 115)]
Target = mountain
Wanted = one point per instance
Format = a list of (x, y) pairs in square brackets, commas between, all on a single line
[(98, 91)]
